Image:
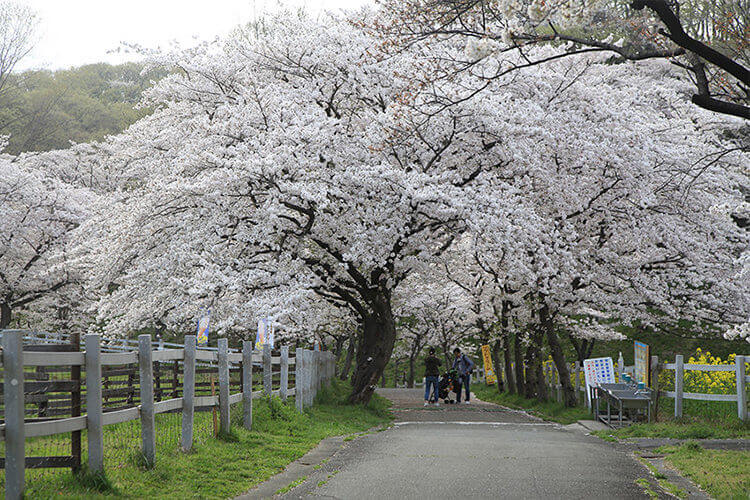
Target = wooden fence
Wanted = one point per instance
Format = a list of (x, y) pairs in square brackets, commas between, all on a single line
[(313, 369)]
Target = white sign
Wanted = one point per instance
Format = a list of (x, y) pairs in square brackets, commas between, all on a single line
[(597, 371)]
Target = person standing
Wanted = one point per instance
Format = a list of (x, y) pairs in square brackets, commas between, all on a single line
[(431, 377), (465, 367)]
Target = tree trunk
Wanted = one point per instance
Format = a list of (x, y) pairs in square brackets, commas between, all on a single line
[(569, 394), (5, 315), (541, 390), (535, 386), (518, 352), (339, 349), (496, 349), (349, 356), (506, 308), (508, 367), (375, 349), (530, 382), (583, 347), (410, 382)]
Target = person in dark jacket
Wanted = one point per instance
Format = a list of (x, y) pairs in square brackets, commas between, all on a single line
[(431, 376), (465, 367)]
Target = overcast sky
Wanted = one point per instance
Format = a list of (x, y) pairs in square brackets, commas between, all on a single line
[(75, 32)]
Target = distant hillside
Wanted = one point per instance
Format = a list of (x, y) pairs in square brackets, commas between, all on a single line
[(44, 110)]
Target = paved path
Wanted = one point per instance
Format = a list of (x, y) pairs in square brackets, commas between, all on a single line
[(472, 451)]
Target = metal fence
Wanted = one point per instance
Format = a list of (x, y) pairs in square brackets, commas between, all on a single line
[(122, 385)]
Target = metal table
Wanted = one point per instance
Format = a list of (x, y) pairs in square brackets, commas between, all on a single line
[(625, 398)]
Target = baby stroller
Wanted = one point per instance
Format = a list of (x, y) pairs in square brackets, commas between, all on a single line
[(449, 382)]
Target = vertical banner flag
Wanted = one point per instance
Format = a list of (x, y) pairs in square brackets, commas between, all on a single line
[(489, 371), (202, 334), (642, 365), (265, 334)]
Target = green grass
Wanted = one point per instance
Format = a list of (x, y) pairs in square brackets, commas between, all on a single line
[(223, 468), (291, 486), (721, 473), (680, 430), (550, 410), (646, 486)]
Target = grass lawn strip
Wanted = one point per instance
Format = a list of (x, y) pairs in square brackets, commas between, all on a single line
[(549, 410), (721, 473), (681, 430), (224, 468)]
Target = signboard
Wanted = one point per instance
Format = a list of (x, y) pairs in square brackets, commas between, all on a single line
[(489, 371), (642, 364), (201, 337), (597, 371), (265, 334)]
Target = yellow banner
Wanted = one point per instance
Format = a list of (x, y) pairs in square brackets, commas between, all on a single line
[(489, 371)]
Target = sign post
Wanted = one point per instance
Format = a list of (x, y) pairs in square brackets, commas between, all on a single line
[(489, 372)]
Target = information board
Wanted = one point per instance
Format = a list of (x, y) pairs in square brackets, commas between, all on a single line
[(489, 371), (598, 371), (642, 364)]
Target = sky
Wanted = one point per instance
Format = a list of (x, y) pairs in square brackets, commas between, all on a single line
[(76, 32)]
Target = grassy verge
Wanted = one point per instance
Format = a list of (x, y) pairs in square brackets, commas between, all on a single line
[(550, 410), (681, 430), (230, 465), (721, 473)]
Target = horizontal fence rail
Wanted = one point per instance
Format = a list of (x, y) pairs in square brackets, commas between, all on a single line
[(145, 381)]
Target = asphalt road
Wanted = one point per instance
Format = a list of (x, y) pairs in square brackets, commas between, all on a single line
[(472, 451)]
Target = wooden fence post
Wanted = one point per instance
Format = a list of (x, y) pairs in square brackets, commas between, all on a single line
[(94, 423), (188, 393), (284, 372), (741, 388), (299, 391), (315, 375), (267, 369), (247, 384), (223, 346), (148, 425), (15, 441), (310, 377), (679, 375)]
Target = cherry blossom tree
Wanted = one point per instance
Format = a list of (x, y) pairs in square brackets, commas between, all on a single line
[(283, 162), (37, 214), (708, 39)]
